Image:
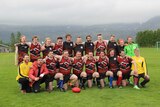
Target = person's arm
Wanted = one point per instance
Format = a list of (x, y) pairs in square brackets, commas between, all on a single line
[(58, 57), (16, 55), (31, 76), (134, 66), (144, 66)]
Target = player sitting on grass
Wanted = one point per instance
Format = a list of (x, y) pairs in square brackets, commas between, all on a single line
[(38, 74), (51, 62), (22, 77), (102, 69), (141, 67), (125, 68)]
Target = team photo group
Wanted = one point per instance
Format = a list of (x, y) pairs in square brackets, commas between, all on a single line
[(79, 65)]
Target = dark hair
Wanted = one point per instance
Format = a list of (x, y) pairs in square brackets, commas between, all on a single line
[(34, 37), (67, 35), (88, 36)]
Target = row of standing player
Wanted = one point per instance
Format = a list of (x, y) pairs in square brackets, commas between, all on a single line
[(35, 48)]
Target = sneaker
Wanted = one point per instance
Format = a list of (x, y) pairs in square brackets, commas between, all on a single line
[(62, 90), (120, 87), (136, 87)]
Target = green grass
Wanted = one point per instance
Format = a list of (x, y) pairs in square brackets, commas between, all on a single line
[(10, 95)]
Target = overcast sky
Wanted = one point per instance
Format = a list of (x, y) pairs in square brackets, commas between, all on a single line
[(76, 12)]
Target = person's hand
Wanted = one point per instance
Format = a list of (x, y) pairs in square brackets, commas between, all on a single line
[(37, 78), (41, 75)]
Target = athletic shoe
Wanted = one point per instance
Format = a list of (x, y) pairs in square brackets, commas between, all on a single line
[(62, 90), (120, 87), (136, 87)]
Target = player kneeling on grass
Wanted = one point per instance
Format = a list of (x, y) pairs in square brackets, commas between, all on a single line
[(78, 64), (102, 63), (90, 63), (22, 76), (125, 68), (51, 62), (114, 68), (141, 67), (65, 65), (38, 74)]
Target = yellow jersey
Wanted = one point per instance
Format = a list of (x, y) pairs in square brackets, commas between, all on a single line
[(140, 64), (23, 70)]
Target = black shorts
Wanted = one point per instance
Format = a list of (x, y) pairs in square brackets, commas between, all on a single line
[(50, 77), (115, 77), (89, 76), (126, 75), (141, 75), (66, 78), (102, 75)]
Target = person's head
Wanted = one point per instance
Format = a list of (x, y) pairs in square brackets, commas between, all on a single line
[(137, 52), (48, 41), (65, 53), (59, 40), (78, 40), (102, 54), (99, 37), (26, 58), (40, 61), (68, 37), (78, 54), (50, 54), (121, 42), (88, 38), (35, 39), (23, 39), (112, 38), (111, 53), (90, 54), (130, 40), (122, 53)]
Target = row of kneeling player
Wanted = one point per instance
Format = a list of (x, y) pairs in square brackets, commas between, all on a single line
[(79, 70)]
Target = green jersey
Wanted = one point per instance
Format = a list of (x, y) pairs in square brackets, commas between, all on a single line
[(129, 49)]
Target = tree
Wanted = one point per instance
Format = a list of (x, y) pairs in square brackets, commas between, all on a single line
[(18, 37), (12, 42)]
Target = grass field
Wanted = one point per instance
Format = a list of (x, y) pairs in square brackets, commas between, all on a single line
[(10, 95)]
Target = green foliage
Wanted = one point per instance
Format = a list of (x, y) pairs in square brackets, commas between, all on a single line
[(148, 38), (14, 39), (12, 42), (93, 97)]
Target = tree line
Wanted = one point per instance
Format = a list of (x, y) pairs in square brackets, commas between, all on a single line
[(148, 38)]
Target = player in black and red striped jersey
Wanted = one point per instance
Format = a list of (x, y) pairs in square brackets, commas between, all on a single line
[(35, 49), (89, 45), (90, 66), (78, 64), (102, 68), (58, 47), (65, 66), (21, 49), (47, 47), (51, 62), (100, 45), (68, 45), (79, 46), (114, 67), (125, 68)]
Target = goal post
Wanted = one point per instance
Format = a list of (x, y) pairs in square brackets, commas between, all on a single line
[(158, 45)]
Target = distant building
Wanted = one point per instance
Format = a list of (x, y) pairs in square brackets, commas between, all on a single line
[(4, 48)]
